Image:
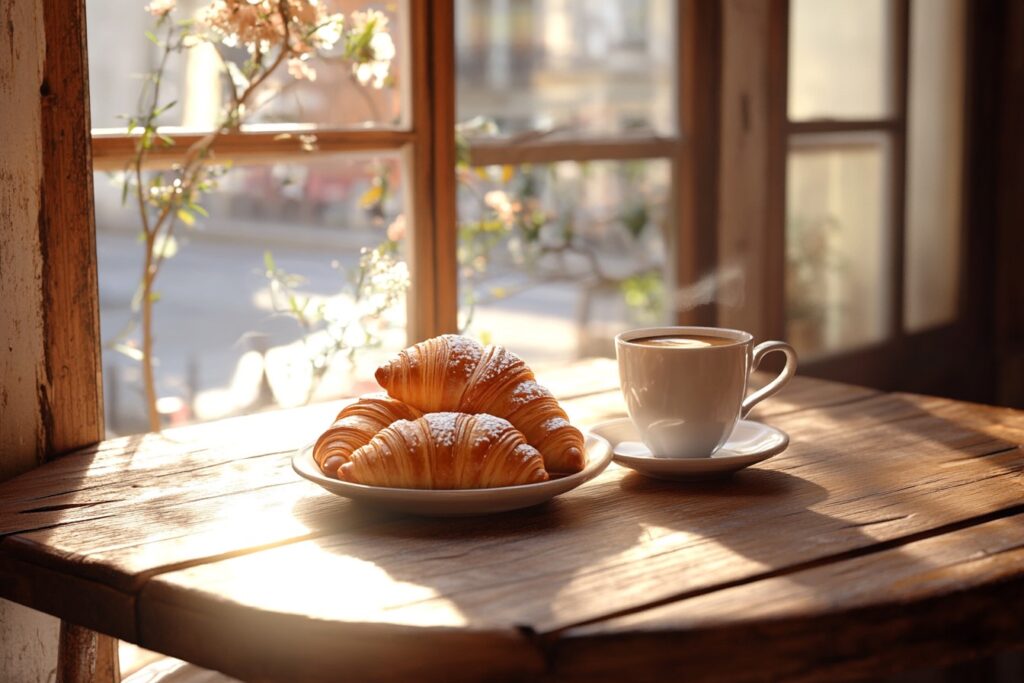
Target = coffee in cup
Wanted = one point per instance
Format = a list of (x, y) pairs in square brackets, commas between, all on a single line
[(685, 387), (691, 341)]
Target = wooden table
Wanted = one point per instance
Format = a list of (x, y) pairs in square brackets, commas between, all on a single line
[(890, 535)]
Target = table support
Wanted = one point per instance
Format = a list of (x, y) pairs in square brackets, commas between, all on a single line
[(85, 656)]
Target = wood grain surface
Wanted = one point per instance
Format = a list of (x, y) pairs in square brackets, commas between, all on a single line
[(204, 545), (928, 601)]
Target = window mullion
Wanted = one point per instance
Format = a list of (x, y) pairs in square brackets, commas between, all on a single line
[(433, 294), (112, 152)]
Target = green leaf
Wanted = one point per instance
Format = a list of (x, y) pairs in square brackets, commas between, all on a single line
[(154, 296), (186, 218), (166, 139), (198, 209), (268, 262), (160, 110), (152, 38)]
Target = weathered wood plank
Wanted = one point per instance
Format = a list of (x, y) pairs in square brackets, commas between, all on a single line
[(21, 295), (297, 649), (936, 601), (62, 594), (1005, 423), (857, 475)]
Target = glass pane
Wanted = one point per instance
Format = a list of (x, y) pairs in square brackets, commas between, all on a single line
[(839, 59), (934, 162), (221, 320), (120, 56), (557, 259), (571, 66), (837, 243)]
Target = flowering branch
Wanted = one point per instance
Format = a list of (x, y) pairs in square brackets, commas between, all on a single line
[(273, 32)]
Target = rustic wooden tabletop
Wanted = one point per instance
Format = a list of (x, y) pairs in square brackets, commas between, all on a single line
[(889, 535)]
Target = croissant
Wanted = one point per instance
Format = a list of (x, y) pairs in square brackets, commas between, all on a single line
[(355, 425), (446, 451), (454, 373)]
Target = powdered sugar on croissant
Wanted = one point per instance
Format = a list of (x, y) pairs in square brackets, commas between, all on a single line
[(355, 425), (446, 451), (455, 373)]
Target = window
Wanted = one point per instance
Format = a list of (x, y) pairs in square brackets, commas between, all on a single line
[(874, 137), (548, 171), (567, 109), (543, 212), (256, 300)]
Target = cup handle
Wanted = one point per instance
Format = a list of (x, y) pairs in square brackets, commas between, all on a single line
[(773, 387)]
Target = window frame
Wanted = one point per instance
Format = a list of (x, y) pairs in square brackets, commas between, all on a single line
[(427, 147), (895, 361), (422, 145)]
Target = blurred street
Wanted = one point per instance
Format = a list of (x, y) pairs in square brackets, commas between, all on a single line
[(215, 304)]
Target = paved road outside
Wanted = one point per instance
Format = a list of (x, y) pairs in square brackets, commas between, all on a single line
[(214, 296)]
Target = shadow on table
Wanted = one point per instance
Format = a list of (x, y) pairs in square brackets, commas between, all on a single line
[(622, 542), (625, 541)]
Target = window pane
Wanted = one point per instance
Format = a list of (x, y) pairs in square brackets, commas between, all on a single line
[(839, 59), (572, 65), (837, 252), (120, 56), (218, 310), (557, 259), (934, 156)]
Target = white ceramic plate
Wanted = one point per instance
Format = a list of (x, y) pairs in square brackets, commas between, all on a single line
[(750, 442), (458, 502)]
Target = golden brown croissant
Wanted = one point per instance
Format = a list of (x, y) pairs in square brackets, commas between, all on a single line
[(355, 425), (454, 373), (446, 451)]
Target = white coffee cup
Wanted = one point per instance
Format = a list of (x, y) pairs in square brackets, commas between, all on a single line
[(686, 400)]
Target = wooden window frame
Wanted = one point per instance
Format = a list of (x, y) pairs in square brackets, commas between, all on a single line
[(894, 362), (427, 147), (893, 127)]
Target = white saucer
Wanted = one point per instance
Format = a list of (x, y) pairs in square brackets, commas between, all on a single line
[(750, 442), (457, 502)]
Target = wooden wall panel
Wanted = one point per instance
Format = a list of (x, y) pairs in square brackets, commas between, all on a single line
[(50, 387), (21, 324)]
